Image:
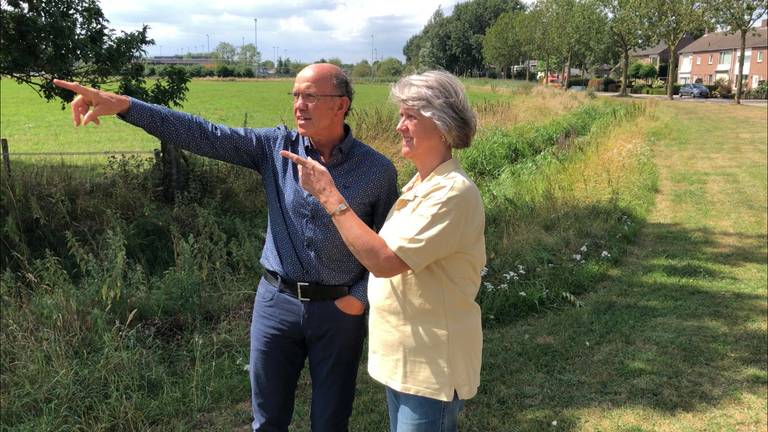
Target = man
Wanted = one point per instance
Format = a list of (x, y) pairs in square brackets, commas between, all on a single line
[(311, 299)]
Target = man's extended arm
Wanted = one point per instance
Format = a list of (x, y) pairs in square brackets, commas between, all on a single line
[(243, 147)]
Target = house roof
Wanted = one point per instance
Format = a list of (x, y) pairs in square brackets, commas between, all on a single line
[(719, 41), (661, 47), (654, 50)]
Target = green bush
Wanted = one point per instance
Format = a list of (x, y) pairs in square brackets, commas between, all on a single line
[(224, 71), (759, 92), (583, 82)]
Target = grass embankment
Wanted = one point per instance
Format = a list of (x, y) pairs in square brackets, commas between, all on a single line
[(123, 313), (675, 339)]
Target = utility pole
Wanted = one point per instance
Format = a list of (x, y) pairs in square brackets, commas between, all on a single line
[(256, 56), (373, 58), (208, 41)]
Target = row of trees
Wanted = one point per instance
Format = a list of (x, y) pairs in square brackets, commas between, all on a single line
[(482, 35)]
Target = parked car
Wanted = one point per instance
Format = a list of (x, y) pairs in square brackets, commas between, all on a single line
[(694, 90)]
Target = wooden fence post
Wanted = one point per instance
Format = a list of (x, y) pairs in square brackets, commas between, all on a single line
[(6, 159)]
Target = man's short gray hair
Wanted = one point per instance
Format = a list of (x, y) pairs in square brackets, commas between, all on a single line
[(439, 96), (343, 85)]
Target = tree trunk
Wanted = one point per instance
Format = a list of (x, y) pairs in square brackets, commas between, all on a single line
[(739, 80), (527, 69), (172, 175), (625, 73), (671, 70), (567, 72)]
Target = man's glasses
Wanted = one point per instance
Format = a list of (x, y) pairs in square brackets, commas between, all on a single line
[(311, 98)]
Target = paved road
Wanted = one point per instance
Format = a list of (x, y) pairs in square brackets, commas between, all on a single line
[(755, 102)]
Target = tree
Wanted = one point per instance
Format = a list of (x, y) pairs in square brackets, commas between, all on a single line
[(389, 67), (466, 29), (669, 21), (296, 67), (248, 55), (335, 61), (648, 71), (225, 51), (538, 22), (627, 26), (737, 16), (572, 25), (361, 70), (411, 50), (502, 46), (42, 40), (635, 70), (428, 50)]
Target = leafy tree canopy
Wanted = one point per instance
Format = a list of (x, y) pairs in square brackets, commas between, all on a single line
[(70, 40)]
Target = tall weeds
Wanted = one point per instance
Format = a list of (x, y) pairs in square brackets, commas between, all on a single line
[(123, 313)]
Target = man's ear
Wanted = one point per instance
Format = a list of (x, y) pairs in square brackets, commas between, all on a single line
[(344, 104)]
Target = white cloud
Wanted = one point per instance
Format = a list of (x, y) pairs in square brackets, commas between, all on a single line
[(306, 30)]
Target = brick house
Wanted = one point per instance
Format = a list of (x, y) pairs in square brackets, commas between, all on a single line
[(658, 54), (715, 56)]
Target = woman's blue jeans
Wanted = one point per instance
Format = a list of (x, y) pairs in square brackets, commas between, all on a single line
[(411, 413)]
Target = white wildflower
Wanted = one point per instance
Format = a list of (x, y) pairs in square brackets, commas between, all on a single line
[(583, 248), (554, 422), (522, 293), (605, 254), (484, 271), (577, 257)]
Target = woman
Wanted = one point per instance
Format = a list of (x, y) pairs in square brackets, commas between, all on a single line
[(425, 334)]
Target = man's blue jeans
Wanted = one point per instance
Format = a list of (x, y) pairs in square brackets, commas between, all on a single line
[(411, 413), (284, 333)]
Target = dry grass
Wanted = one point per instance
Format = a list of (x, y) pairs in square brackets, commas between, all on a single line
[(540, 105)]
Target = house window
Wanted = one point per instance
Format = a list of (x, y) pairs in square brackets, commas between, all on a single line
[(725, 57), (709, 60), (747, 58), (759, 56), (698, 60)]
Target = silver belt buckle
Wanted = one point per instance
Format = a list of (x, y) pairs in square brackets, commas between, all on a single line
[(298, 291)]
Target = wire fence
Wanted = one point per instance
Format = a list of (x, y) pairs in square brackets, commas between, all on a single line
[(92, 153)]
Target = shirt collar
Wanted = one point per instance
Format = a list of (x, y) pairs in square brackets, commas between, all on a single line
[(444, 168), (342, 148)]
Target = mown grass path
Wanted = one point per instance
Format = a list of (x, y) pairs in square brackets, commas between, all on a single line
[(677, 338)]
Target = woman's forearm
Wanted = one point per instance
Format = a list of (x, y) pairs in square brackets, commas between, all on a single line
[(364, 243)]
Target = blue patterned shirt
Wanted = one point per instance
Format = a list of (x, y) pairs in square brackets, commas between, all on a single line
[(301, 243)]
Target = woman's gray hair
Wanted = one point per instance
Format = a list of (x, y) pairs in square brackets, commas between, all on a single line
[(439, 96)]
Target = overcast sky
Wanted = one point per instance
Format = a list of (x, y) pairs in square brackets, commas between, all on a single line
[(306, 30)]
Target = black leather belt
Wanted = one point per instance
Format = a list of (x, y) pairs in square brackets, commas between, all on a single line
[(305, 291)]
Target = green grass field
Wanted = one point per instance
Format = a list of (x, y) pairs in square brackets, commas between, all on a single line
[(32, 125)]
